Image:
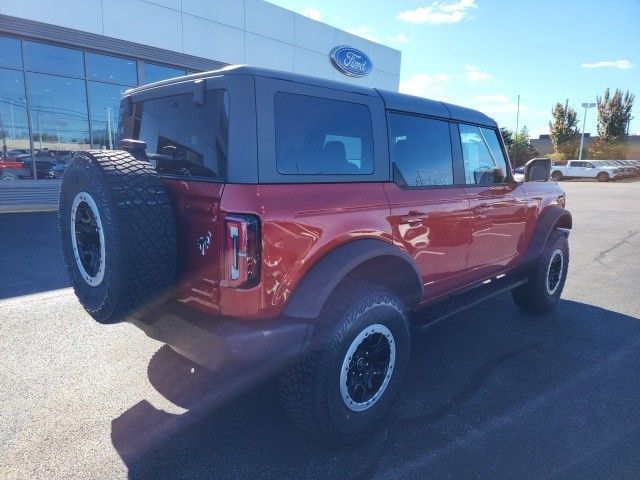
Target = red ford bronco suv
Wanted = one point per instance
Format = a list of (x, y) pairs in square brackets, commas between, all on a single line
[(257, 219)]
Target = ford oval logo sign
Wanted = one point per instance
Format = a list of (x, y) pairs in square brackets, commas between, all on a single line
[(351, 61)]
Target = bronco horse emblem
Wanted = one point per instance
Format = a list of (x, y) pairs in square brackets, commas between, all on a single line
[(204, 242)]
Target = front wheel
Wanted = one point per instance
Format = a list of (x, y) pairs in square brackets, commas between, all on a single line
[(602, 177), (354, 370), (542, 291)]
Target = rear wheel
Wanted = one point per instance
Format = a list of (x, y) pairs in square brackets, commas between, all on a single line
[(602, 177), (8, 175), (556, 176), (546, 280), (118, 234), (343, 387)]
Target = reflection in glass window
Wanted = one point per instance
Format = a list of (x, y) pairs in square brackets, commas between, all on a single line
[(104, 102), (15, 153), (155, 73), (40, 57), (322, 136), (59, 120), (184, 139), (111, 69), (10, 55), (484, 163), (420, 151)]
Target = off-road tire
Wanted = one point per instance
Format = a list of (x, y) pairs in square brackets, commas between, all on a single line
[(602, 177), (310, 388), (139, 234), (556, 176), (535, 296)]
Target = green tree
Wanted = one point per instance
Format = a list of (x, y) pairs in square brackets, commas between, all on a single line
[(614, 116), (563, 129), (519, 146)]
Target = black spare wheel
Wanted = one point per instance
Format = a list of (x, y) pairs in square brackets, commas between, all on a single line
[(118, 234)]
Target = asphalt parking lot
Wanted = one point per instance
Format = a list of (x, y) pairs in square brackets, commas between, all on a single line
[(491, 393)]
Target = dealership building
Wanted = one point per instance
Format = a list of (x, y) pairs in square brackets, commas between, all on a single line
[(65, 63)]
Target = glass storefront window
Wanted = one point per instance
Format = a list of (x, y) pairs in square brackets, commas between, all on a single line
[(104, 102), (155, 73), (40, 57), (10, 55), (111, 69), (15, 151), (59, 119)]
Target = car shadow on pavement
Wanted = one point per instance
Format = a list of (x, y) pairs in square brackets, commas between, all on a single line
[(490, 393), (30, 257)]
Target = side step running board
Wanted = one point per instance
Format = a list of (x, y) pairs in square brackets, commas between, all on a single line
[(434, 314)]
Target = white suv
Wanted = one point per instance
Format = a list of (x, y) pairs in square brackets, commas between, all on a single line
[(598, 169)]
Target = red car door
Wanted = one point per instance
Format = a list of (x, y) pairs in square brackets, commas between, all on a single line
[(498, 204), (429, 215)]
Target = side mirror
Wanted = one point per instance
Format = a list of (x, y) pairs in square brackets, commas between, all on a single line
[(537, 170)]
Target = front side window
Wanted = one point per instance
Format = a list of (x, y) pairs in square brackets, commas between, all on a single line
[(184, 139), (320, 136), (484, 163), (420, 151)]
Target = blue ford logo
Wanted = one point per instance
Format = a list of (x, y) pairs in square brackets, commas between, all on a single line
[(351, 61)]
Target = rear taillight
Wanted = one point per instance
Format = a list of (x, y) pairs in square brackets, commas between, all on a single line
[(242, 251)]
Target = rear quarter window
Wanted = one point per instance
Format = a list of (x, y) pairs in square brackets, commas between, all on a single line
[(321, 136)]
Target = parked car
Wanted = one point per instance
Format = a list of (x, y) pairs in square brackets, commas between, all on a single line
[(12, 169), (46, 169), (301, 224), (598, 169)]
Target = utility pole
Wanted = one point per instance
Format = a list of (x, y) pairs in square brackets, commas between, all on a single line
[(517, 118), (586, 107)]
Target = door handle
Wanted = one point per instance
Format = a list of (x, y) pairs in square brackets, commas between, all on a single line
[(413, 218)]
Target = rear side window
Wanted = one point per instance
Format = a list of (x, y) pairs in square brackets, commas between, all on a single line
[(484, 163), (420, 151), (184, 139), (321, 136)]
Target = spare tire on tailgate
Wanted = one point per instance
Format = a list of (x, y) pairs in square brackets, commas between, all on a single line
[(118, 234)]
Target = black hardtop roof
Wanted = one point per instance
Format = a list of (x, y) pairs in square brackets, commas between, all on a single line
[(392, 100)]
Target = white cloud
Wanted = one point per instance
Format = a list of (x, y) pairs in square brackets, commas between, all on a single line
[(439, 12), (495, 98), (474, 74), (364, 32), (619, 64), (424, 84), (398, 38), (312, 13)]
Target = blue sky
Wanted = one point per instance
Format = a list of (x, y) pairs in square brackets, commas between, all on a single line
[(483, 53)]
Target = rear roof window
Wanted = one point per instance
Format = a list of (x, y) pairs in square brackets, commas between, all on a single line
[(184, 139)]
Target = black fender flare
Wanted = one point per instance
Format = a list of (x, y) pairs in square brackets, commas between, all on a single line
[(550, 218), (320, 281)]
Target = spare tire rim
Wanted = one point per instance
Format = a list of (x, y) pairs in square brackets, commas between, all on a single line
[(554, 271), (367, 367), (87, 238)]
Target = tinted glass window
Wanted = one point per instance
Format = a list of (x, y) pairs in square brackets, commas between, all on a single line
[(420, 151), (111, 69), (322, 136), (104, 100), (14, 128), (184, 139), (41, 57), (58, 110), (10, 55), (484, 163), (155, 73)]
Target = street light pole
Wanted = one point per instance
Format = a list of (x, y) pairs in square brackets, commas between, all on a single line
[(586, 107)]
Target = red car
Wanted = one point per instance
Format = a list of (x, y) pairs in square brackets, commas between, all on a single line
[(11, 169), (263, 220)]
